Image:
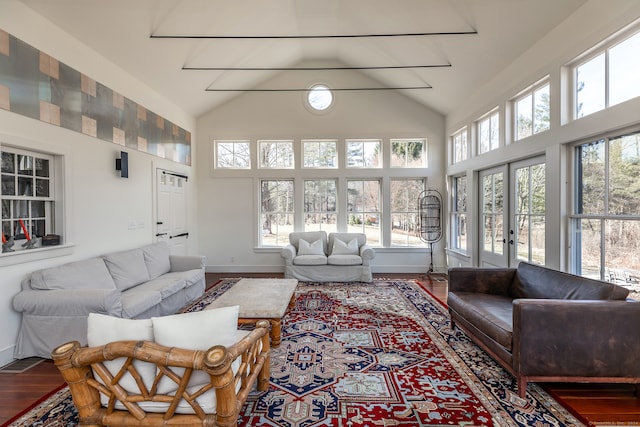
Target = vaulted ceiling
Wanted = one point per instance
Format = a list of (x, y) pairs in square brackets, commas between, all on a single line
[(279, 34)]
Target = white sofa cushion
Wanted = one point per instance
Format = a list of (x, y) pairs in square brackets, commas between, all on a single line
[(310, 260), (102, 329), (344, 260), (199, 330), (87, 274), (156, 258), (127, 268)]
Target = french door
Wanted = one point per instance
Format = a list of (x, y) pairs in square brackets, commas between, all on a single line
[(512, 214)]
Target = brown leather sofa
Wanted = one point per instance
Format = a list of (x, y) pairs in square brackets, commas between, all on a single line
[(545, 325)]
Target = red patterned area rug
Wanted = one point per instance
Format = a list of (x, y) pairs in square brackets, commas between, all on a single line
[(378, 354)]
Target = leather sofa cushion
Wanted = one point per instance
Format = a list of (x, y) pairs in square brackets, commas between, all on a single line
[(491, 314), (534, 281)]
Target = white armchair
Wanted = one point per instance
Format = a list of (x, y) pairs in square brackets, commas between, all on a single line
[(339, 257)]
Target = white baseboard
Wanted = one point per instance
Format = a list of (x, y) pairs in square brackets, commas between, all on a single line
[(6, 355)]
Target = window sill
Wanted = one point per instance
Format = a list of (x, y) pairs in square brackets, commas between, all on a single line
[(36, 254)]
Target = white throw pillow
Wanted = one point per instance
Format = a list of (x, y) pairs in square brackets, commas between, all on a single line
[(195, 331), (306, 248), (103, 329), (342, 248)]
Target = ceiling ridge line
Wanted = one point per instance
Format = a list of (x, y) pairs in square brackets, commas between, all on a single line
[(311, 36), (318, 89), (382, 67)]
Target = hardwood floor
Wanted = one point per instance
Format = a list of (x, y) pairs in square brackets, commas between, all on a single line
[(595, 402)]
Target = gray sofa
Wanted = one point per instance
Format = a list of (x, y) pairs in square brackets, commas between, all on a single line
[(545, 325), (330, 260), (138, 283)]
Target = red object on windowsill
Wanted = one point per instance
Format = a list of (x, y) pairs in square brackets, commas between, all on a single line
[(24, 230)]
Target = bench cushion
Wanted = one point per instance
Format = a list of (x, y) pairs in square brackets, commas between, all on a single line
[(87, 274)]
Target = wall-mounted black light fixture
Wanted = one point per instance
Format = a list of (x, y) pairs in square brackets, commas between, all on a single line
[(122, 164)]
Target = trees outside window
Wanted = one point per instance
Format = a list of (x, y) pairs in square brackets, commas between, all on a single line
[(232, 154), (320, 205), (363, 153), (276, 211), (363, 209), (488, 132), (408, 153), (319, 154), (606, 217), (276, 154), (460, 149), (405, 225), (459, 213), (532, 112)]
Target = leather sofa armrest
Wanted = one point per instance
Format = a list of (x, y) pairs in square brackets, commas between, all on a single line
[(586, 338), (186, 262), (367, 253), (288, 253), (69, 302), (482, 280)]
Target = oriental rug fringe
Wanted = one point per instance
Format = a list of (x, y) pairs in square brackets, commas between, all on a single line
[(370, 354)]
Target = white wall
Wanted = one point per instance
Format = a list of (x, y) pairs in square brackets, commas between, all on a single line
[(588, 26), (228, 213), (99, 203)]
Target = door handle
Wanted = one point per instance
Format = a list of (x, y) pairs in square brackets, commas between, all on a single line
[(161, 234), (511, 242), (180, 235)]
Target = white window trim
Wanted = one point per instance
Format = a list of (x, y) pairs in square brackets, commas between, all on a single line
[(62, 186)]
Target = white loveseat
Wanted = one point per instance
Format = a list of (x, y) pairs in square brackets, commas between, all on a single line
[(339, 257), (137, 283)]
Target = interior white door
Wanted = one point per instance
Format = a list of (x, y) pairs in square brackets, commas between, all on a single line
[(171, 210)]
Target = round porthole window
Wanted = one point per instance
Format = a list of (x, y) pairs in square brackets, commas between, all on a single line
[(320, 97)]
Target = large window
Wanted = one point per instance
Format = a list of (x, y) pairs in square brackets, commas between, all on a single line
[(320, 205), (27, 198), (607, 77), (363, 208), (531, 111), (459, 147), (459, 213), (606, 217), (488, 132), (276, 211), (405, 227)]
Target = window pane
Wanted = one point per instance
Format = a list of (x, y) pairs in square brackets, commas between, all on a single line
[(276, 154), (624, 175), (8, 162), (591, 179), (320, 154), (37, 209), (363, 154), (590, 86), (363, 204), (6, 209), (460, 231), (404, 211), (25, 165), (20, 209), (233, 155), (276, 203), (320, 205), (42, 167), (8, 185), (408, 153), (624, 63), (524, 117), (42, 188), (25, 186), (460, 146), (488, 133), (541, 110)]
